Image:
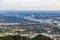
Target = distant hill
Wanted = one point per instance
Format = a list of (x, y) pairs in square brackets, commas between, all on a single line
[(16, 15)]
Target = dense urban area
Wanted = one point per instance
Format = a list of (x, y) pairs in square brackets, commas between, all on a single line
[(30, 25)]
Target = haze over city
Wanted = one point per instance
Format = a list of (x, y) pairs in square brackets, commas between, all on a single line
[(29, 4)]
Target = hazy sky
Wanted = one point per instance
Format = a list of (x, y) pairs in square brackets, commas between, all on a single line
[(30, 4)]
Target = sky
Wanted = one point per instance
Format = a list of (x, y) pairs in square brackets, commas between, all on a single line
[(29, 4)]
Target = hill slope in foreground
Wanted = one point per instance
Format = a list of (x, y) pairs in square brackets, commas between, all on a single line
[(17, 37)]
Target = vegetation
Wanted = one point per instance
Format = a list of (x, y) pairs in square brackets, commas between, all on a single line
[(17, 37)]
